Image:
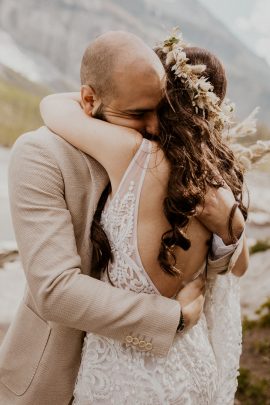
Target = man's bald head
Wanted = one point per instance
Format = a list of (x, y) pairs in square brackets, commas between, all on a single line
[(114, 55)]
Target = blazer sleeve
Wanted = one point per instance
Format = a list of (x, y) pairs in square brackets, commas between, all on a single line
[(225, 263), (47, 247)]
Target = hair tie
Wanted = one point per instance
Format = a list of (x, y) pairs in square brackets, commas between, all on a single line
[(230, 228)]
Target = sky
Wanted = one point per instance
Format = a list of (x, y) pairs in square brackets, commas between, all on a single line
[(247, 19)]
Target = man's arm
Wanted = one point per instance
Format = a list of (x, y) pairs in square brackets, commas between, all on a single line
[(52, 266), (223, 259)]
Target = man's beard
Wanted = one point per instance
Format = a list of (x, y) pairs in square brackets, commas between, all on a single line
[(99, 114)]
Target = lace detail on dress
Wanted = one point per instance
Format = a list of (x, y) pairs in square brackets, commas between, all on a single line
[(112, 372), (223, 314), (118, 220)]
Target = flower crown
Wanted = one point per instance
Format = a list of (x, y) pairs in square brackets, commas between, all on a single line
[(198, 87)]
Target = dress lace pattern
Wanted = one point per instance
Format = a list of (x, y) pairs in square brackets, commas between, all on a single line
[(223, 316), (201, 365)]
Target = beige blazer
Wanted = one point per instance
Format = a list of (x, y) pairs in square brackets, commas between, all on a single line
[(54, 189)]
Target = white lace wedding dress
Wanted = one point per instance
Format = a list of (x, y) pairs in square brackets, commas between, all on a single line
[(201, 365)]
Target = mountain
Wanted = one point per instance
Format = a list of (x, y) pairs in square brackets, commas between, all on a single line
[(19, 105), (34, 66), (57, 31)]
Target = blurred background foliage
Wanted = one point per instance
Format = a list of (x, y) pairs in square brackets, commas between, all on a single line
[(19, 106)]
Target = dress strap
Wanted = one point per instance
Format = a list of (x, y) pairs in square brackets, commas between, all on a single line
[(135, 172)]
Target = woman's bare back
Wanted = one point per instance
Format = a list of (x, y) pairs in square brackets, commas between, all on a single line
[(152, 224)]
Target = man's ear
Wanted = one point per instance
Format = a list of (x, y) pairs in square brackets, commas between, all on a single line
[(89, 99)]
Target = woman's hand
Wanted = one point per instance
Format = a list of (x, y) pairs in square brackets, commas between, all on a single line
[(215, 213), (191, 299)]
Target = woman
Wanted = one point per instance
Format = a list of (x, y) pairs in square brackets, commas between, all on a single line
[(146, 234)]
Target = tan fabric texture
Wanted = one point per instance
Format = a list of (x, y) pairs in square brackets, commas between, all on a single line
[(54, 189)]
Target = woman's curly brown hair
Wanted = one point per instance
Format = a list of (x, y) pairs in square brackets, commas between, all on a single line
[(198, 156)]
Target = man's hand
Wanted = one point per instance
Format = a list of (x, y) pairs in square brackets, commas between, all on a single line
[(214, 215), (191, 299)]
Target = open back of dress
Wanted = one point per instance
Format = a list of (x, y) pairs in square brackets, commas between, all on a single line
[(113, 372)]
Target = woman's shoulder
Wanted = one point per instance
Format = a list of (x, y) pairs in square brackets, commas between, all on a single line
[(157, 168), (158, 164)]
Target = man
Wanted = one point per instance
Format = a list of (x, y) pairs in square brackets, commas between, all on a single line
[(54, 191)]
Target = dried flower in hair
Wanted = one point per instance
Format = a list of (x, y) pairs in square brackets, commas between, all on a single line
[(200, 90)]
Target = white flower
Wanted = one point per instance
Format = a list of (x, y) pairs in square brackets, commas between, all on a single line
[(197, 69), (170, 58), (213, 98), (200, 90), (180, 55), (166, 49), (200, 103), (205, 86)]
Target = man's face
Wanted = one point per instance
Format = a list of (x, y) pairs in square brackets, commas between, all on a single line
[(136, 101)]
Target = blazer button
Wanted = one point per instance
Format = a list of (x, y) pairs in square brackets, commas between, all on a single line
[(135, 341), (142, 344), (149, 346), (129, 339)]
